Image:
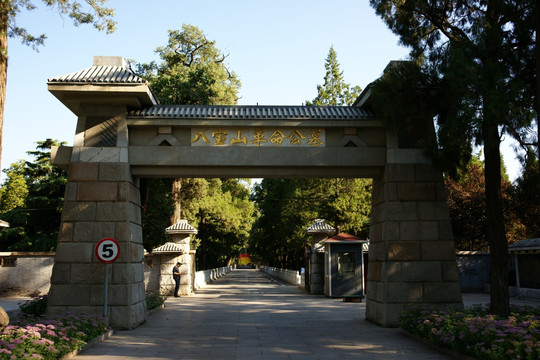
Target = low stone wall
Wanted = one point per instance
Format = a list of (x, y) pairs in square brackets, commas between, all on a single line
[(473, 270), (25, 273), (204, 277), (290, 276), (29, 274)]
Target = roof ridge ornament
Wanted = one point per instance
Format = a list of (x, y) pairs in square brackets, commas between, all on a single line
[(117, 61)]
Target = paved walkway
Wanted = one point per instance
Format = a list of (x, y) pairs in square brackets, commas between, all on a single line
[(246, 315)]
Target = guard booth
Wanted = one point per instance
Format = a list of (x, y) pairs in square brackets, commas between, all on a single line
[(344, 266)]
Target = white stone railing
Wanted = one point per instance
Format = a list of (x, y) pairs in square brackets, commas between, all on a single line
[(290, 276), (204, 277)]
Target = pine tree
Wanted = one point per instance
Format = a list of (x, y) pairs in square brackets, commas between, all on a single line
[(334, 91)]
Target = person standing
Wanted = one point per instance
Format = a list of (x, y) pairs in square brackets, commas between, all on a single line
[(176, 276)]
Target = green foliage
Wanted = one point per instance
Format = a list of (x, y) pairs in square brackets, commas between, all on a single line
[(154, 300), (224, 216), (477, 333), (527, 196), (90, 12), (192, 71), (36, 306), (334, 91), (480, 59), (156, 211), (14, 192), (288, 206), (31, 200)]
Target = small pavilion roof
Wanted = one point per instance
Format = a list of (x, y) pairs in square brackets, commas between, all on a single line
[(320, 226), (345, 238), (168, 248), (181, 227)]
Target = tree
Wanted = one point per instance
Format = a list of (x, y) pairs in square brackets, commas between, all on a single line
[(477, 71), (467, 204), (31, 200), (14, 191), (95, 13), (192, 71), (288, 206), (334, 91)]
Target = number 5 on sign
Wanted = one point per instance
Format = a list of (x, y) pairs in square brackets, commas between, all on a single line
[(107, 250)]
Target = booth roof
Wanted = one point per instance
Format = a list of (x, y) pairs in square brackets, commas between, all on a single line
[(531, 246), (344, 237)]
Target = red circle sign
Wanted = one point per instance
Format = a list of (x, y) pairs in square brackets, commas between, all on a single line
[(107, 250)]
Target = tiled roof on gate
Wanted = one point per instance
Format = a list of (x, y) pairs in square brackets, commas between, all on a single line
[(253, 112), (100, 75)]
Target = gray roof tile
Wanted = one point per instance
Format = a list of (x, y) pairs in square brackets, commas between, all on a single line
[(253, 112), (320, 226), (167, 248), (181, 227), (101, 75)]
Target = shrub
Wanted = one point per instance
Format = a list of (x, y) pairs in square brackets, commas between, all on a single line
[(476, 332), (154, 300), (35, 307)]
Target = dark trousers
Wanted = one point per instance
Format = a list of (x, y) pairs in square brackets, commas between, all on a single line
[(177, 285)]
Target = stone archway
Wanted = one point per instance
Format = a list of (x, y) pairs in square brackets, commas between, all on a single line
[(123, 134)]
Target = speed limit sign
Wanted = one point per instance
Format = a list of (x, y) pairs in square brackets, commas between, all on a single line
[(107, 250)]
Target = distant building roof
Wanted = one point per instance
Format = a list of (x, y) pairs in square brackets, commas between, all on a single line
[(529, 246), (253, 112), (167, 248), (181, 227), (320, 226), (345, 238)]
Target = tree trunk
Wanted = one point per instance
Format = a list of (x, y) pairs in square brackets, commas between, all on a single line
[(176, 196), (537, 97), (494, 109), (4, 19), (496, 233)]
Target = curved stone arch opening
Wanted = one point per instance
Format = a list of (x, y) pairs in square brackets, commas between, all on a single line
[(124, 134)]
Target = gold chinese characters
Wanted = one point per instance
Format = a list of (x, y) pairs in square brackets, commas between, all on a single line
[(257, 137)]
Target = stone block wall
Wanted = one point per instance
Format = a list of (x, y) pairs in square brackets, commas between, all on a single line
[(411, 252), (102, 200)]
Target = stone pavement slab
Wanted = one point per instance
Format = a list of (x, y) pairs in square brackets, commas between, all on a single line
[(246, 315)]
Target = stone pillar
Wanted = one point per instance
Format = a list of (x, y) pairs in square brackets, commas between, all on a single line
[(316, 265), (166, 281), (319, 231), (181, 241), (411, 252), (101, 200)]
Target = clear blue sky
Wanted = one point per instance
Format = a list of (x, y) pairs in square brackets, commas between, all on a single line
[(277, 48)]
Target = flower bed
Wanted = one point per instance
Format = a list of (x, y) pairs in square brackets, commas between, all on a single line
[(49, 337), (477, 333), (35, 336)]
